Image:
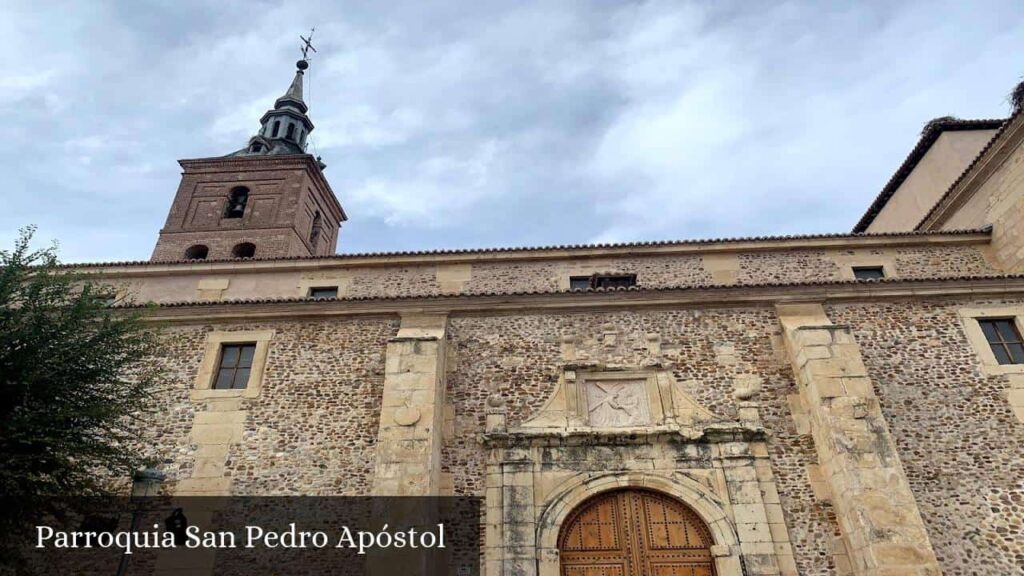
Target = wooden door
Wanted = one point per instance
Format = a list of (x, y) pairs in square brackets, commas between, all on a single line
[(635, 533)]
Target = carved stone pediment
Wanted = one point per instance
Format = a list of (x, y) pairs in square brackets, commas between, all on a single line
[(638, 398), (614, 384)]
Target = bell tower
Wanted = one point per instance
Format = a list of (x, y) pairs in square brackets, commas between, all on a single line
[(267, 200)]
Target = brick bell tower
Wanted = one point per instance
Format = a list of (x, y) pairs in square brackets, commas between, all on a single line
[(267, 200)]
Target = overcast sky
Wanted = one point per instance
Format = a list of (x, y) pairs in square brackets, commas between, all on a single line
[(481, 124)]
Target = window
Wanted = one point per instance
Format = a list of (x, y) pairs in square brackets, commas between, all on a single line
[(197, 252), (579, 282), (323, 292), (256, 147), (229, 370), (235, 365), (237, 199), (277, 128), (244, 250), (291, 131), (604, 281), (1004, 339), (868, 272), (314, 232)]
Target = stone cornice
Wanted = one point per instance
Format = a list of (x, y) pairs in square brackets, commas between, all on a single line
[(586, 436), (999, 149), (695, 297), (685, 248)]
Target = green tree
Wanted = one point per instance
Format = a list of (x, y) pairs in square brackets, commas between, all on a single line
[(74, 385)]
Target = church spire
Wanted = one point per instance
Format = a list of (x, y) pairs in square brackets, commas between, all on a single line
[(284, 128), (294, 93)]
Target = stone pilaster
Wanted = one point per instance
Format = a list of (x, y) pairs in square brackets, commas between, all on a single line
[(412, 412), (879, 519)]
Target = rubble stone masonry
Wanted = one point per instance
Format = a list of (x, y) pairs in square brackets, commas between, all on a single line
[(314, 426)]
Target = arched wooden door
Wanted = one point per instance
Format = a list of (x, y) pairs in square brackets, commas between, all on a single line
[(635, 533)]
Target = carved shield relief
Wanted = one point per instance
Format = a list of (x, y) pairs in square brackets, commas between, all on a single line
[(617, 403)]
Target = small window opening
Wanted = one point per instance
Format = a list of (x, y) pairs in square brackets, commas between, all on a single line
[(291, 132), (604, 281), (323, 292), (235, 366), (868, 272), (277, 128), (1004, 338), (197, 252), (315, 229), (237, 200), (244, 250), (257, 147), (579, 282)]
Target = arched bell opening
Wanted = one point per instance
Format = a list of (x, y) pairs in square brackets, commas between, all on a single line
[(244, 250)]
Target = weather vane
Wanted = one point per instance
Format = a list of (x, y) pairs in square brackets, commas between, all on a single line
[(307, 44)]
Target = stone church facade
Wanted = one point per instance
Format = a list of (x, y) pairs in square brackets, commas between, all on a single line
[(844, 404)]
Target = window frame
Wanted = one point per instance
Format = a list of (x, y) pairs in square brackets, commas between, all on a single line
[(238, 364), (316, 229), (1000, 343), (593, 280), (239, 195), (589, 280), (872, 268), (970, 319), (312, 289), (203, 388)]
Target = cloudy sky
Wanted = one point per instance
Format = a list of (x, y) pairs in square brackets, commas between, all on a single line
[(477, 123)]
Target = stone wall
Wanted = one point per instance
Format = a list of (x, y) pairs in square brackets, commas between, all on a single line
[(954, 429), (998, 202), (312, 430), (313, 427), (513, 276)]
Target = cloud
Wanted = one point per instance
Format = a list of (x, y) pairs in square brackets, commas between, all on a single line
[(441, 191), (453, 124)]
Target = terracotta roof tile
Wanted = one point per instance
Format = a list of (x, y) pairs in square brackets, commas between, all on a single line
[(518, 249)]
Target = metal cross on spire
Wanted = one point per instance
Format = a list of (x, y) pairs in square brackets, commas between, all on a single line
[(307, 44)]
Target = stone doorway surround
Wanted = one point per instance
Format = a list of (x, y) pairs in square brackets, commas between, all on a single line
[(538, 472)]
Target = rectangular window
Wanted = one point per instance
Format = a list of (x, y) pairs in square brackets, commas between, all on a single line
[(614, 280), (323, 292), (602, 281), (579, 282), (1004, 338), (868, 272), (234, 367)]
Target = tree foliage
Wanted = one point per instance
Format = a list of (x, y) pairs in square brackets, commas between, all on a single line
[(74, 383)]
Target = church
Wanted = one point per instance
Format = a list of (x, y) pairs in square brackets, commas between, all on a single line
[(836, 404)]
